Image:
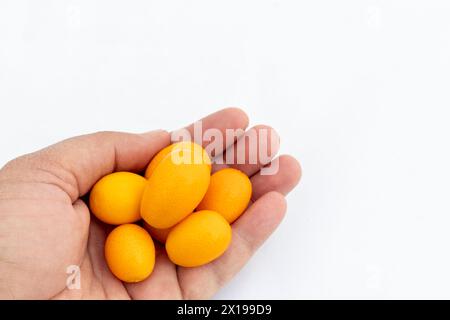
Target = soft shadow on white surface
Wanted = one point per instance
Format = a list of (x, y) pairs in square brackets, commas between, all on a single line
[(357, 89)]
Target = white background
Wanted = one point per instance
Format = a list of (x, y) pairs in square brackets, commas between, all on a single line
[(359, 91)]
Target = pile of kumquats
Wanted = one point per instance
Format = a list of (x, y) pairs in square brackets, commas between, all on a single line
[(178, 203)]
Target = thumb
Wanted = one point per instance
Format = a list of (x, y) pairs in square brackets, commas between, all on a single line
[(76, 164)]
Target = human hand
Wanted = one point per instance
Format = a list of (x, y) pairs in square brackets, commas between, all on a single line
[(45, 226)]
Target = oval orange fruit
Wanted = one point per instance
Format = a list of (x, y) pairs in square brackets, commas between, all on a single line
[(130, 253), (199, 239), (176, 185), (229, 194), (116, 198)]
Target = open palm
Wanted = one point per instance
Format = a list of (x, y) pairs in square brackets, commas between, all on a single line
[(45, 226)]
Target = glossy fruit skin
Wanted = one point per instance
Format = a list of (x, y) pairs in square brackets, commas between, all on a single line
[(199, 239), (167, 150), (116, 198), (159, 234), (157, 160), (130, 253), (176, 186), (229, 194)]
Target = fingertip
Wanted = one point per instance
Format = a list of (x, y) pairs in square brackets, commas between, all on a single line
[(273, 138), (284, 180), (260, 144), (239, 114), (293, 170)]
